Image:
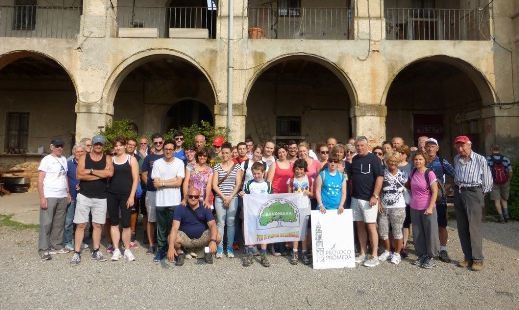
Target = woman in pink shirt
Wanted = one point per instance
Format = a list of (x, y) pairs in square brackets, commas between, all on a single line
[(424, 189)]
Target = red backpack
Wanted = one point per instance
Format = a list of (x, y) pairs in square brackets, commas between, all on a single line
[(499, 171)]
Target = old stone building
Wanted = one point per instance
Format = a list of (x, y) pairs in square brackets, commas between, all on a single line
[(302, 69)]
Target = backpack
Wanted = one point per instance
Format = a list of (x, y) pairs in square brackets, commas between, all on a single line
[(499, 171), (441, 188)]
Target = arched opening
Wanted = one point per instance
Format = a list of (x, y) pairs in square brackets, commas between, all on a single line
[(187, 112), (37, 103), (149, 86), (300, 98), (438, 97)]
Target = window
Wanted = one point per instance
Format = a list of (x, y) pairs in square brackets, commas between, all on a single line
[(24, 15), (17, 132), (289, 7), (288, 126)]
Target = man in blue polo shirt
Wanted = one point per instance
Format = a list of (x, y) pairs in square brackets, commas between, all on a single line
[(194, 227)]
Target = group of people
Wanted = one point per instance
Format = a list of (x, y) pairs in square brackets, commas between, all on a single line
[(192, 199)]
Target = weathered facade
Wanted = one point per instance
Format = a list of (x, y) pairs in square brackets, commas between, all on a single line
[(301, 69)]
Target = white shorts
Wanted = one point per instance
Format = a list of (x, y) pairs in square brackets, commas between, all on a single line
[(151, 206), (363, 212), (85, 206)]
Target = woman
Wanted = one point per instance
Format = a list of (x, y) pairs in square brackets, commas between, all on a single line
[(121, 195), (392, 209), (323, 154), (227, 180), (190, 157), (246, 166), (350, 152), (314, 166), (424, 190), (234, 153), (330, 187), (199, 177), (377, 150), (406, 168), (387, 147)]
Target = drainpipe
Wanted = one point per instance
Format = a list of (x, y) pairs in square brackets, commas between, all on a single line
[(230, 64)]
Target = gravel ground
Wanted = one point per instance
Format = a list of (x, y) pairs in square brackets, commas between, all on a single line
[(27, 282)]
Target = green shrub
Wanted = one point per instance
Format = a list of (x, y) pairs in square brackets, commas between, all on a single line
[(123, 128), (205, 128), (513, 201)]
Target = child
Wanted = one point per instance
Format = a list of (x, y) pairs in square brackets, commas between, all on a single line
[(301, 184), (257, 185)]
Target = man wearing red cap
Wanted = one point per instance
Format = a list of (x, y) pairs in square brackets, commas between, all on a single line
[(473, 179)]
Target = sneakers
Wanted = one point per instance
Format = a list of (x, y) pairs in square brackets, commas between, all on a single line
[(477, 265), (386, 255), (444, 256), (76, 259), (265, 260), (428, 263), (372, 262), (45, 255), (109, 249), (465, 263), (180, 259), (98, 256), (295, 258), (247, 260), (69, 246), (230, 252), (307, 259), (159, 256), (116, 255), (151, 250), (419, 260), (208, 257), (128, 255), (396, 259), (361, 259), (219, 251)]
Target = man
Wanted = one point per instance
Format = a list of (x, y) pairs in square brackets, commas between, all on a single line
[(86, 144), (441, 167), (147, 166), (473, 179), (242, 153), (178, 136), (292, 151), (367, 177), (331, 142), (194, 227), (143, 148), (268, 153), (218, 141), (199, 141), (421, 145), (131, 146), (250, 147), (73, 184), (501, 169), (167, 175), (93, 171), (397, 142), (54, 197)]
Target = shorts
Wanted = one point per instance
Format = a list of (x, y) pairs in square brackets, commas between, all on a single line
[(500, 191), (189, 243), (441, 211), (85, 206), (363, 212), (118, 211), (151, 206), (393, 217)]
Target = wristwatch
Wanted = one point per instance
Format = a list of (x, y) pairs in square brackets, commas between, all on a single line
[(376, 196)]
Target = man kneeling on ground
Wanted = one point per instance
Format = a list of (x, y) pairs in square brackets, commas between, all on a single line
[(194, 227)]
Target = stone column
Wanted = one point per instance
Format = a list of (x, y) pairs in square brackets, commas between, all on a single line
[(90, 118), (369, 120)]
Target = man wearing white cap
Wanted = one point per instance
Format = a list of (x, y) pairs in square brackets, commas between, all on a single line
[(441, 167), (473, 179)]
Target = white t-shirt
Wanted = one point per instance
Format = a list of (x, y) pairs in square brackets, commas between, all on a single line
[(169, 196), (55, 181)]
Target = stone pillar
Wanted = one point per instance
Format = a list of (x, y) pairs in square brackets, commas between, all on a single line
[(369, 120), (99, 19), (90, 118)]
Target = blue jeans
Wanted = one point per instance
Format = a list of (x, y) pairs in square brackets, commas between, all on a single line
[(226, 216), (68, 232)]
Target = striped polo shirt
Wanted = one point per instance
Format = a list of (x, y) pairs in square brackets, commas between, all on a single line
[(472, 171)]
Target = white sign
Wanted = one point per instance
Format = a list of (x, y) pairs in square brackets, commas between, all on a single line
[(332, 240), (270, 218)]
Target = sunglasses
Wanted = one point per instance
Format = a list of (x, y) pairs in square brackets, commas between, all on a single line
[(179, 139), (350, 152), (193, 196), (378, 153), (158, 142), (334, 161), (324, 152), (144, 143), (88, 145), (59, 146), (98, 144)]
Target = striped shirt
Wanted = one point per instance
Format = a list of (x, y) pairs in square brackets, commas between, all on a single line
[(472, 172), (227, 186)]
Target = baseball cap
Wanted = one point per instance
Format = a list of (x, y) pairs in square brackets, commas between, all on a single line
[(57, 142), (431, 140), (218, 141), (98, 139), (462, 139)]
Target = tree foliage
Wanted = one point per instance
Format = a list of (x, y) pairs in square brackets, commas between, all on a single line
[(277, 212), (122, 128), (205, 128)]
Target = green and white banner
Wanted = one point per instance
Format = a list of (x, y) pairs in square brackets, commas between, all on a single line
[(275, 217)]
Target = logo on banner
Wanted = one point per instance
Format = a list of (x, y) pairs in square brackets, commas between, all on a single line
[(332, 252), (278, 213)]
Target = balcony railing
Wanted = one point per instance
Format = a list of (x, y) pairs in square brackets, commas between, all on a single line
[(301, 23), (437, 24), (165, 18), (39, 21)]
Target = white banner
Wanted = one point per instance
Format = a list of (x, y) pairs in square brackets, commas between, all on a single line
[(275, 217), (332, 240)]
